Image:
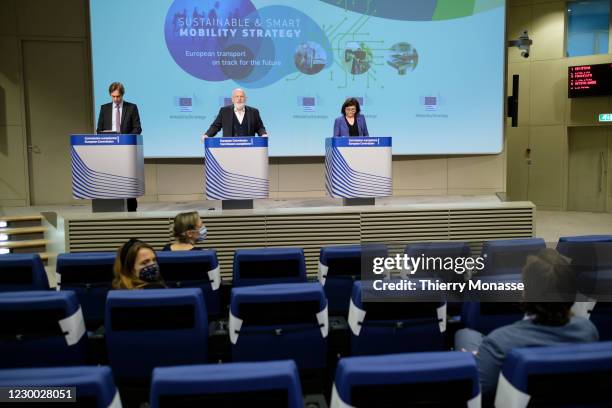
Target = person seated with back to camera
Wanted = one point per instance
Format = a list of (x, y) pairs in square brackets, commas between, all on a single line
[(188, 230), (548, 295), (136, 267)]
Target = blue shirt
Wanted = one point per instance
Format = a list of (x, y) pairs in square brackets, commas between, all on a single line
[(525, 333)]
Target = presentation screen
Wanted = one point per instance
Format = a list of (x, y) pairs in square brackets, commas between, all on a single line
[(428, 73)]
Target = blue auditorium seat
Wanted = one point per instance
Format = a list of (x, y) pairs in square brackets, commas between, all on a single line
[(569, 375), (22, 272), (586, 238), (488, 316), (187, 269), (268, 265), (41, 328), (508, 256), (340, 266), (601, 316), (600, 313), (90, 276), (280, 321), (443, 251), (95, 386), (485, 310), (588, 253), (262, 384), (398, 327), (454, 250), (591, 257), (439, 379), (595, 300), (155, 327)]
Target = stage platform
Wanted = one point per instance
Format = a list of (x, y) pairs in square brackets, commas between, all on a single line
[(309, 224)]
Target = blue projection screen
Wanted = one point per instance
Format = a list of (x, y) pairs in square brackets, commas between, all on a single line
[(429, 73)]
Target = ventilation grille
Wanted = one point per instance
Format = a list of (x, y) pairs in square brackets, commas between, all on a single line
[(107, 235), (477, 226), (226, 234), (312, 231), (469, 225)]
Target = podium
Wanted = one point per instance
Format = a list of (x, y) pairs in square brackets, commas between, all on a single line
[(108, 169), (358, 169), (236, 170)]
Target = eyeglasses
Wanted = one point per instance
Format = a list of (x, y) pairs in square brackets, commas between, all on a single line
[(351, 109)]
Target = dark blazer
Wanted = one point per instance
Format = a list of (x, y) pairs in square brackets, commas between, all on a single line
[(225, 119), (130, 119), (341, 128)]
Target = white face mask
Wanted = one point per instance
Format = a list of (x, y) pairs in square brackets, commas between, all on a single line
[(202, 234)]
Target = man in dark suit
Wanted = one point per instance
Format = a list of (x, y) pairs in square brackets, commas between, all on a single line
[(119, 116), (237, 119)]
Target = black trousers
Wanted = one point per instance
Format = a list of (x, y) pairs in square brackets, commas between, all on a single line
[(132, 204)]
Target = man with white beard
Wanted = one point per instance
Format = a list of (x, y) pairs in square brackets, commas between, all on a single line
[(237, 119)]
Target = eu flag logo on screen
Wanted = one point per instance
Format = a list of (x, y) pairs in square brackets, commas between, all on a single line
[(308, 103), (431, 103), (185, 104)]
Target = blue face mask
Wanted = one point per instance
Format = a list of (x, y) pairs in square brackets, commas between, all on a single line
[(202, 234), (149, 273)]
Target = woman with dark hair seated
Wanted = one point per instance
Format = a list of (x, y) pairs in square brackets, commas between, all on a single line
[(351, 122), (188, 230), (136, 267), (548, 295)]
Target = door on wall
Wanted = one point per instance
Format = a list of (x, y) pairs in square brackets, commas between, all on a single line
[(545, 158), (588, 166), (58, 103)]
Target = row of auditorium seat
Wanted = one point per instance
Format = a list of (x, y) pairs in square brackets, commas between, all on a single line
[(571, 375), (284, 265), (90, 274), (266, 322)]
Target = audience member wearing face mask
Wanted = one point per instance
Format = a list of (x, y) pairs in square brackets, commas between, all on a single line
[(188, 230), (136, 267)]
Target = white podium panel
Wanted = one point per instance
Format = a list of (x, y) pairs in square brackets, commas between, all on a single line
[(358, 167), (107, 166), (236, 168)]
